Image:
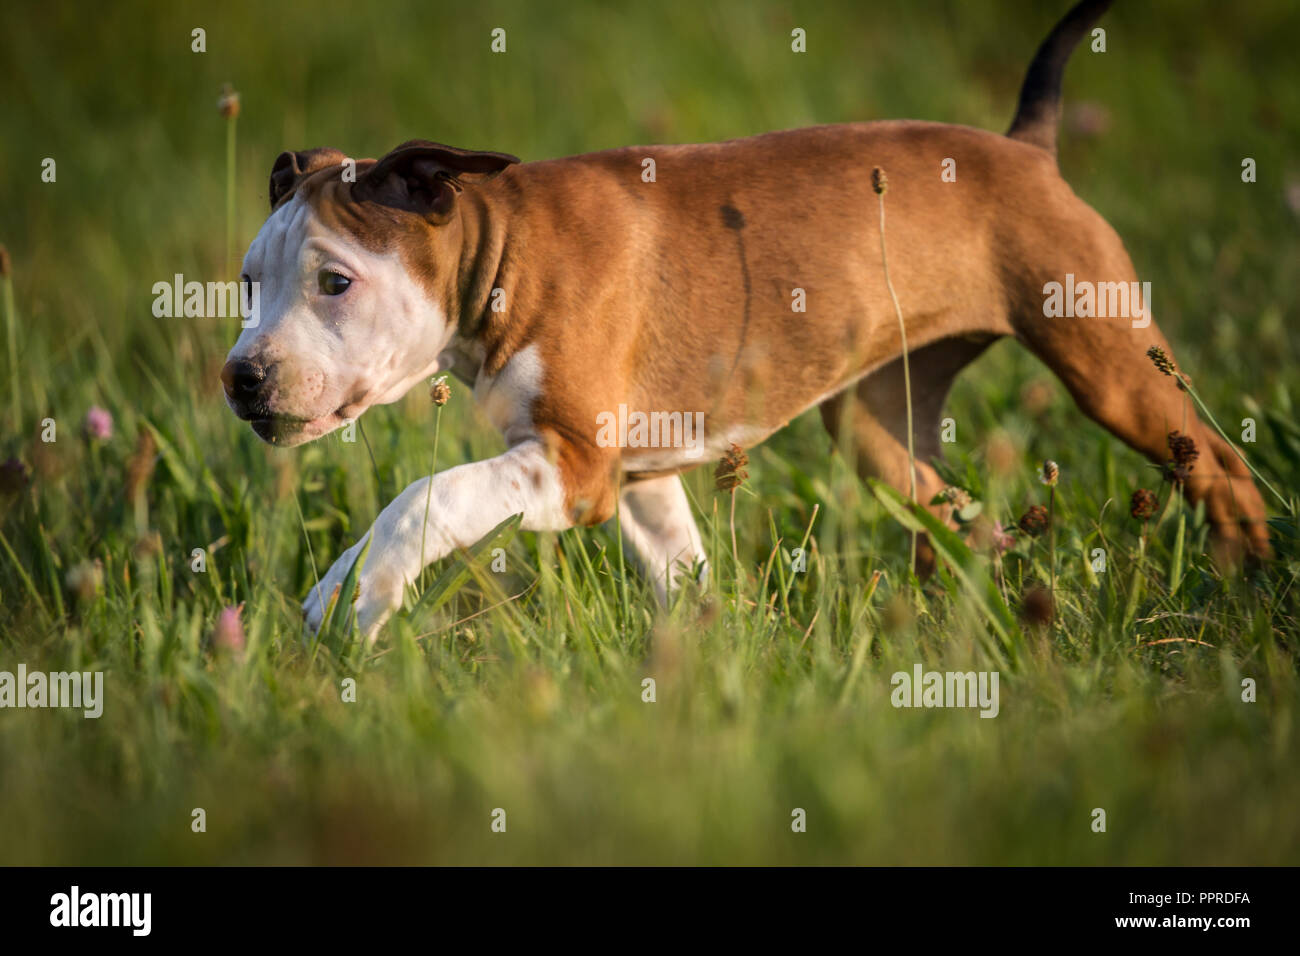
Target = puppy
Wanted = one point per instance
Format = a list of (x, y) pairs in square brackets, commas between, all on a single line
[(717, 290)]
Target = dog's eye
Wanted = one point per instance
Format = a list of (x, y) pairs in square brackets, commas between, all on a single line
[(331, 283)]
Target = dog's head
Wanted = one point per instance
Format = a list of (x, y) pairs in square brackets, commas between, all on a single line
[(356, 279)]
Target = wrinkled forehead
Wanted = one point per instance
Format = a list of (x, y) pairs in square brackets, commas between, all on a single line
[(335, 207), (283, 235), (322, 209)]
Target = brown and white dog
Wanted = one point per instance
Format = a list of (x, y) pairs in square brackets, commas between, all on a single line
[(569, 288)]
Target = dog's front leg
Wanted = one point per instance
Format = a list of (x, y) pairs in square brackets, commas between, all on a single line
[(463, 504)]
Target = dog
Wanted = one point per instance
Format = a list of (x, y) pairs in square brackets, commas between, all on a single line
[(572, 289)]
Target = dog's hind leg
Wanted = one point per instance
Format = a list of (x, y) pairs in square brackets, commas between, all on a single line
[(1103, 361), (875, 413)]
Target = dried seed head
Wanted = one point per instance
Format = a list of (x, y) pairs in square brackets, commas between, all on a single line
[(1050, 473), (1037, 606), (13, 477), (1035, 521), (730, 473), (878, 181), (228, 102), (1183, 449), (440, 392), (86, 579), (1160, 360), (957, 497), (1184, 454), (140, 468), (1143, 504)]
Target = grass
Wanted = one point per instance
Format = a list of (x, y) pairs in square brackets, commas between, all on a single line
[(523, 690)]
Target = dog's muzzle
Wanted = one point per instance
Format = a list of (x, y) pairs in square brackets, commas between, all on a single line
[(247, 386)]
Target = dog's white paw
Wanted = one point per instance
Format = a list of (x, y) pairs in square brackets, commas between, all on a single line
[(378, 594)]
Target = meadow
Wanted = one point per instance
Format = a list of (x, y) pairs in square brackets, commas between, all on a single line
[(522, 690)]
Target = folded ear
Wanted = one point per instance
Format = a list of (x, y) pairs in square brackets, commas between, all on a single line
[(291, 168), (424, 177)]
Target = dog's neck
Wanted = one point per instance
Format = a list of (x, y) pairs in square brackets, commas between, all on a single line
[(483, 268)]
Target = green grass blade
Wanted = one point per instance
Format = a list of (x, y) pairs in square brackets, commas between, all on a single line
[(459, 574), (965, 565)]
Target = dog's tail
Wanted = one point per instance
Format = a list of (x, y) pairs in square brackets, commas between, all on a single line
[(1039, 112)]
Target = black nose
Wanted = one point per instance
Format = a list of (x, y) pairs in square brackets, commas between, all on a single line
[(242, 379)]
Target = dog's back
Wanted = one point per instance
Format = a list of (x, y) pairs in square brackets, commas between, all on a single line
[(744, 277)]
